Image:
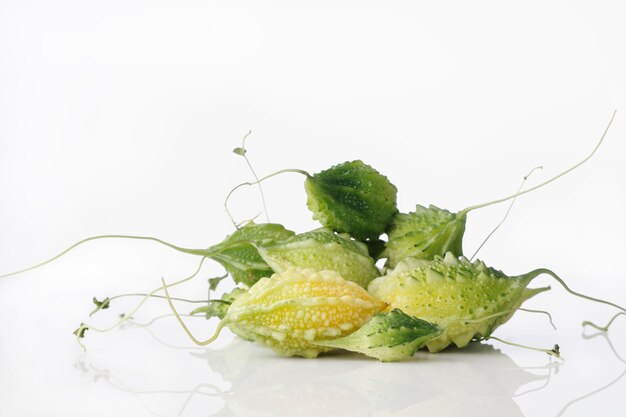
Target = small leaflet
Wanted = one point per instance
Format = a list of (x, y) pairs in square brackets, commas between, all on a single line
[(219, 308), (214, 282), (100, 305), (80, 331)]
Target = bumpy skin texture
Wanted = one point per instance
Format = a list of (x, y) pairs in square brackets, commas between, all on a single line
[(352, 198), (322, 249), (291, 310), (240, 257), (423, 234), (391, 336), (468, 300)]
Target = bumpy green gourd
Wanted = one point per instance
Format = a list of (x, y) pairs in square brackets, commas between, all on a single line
[(391, 336), (239, 255), (292, 310), (468, 300), (322, 249), (353, 198), (424, 234)]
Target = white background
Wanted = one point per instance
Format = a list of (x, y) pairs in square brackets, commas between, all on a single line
[(120, 117)]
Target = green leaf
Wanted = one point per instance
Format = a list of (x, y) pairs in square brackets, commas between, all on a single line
[(214, 308), (322, 249), (219, 308), (214, 282), (353, 198), (424, 234), (391, 336), (80, 332), (100, 305), (240, 151), (103, 305), (239, 256)]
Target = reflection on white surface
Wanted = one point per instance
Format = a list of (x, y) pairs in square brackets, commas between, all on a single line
[(479, 380), (448, 384), (605, 386)]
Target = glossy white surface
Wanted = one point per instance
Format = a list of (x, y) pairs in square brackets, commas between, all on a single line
[(120, 117)]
